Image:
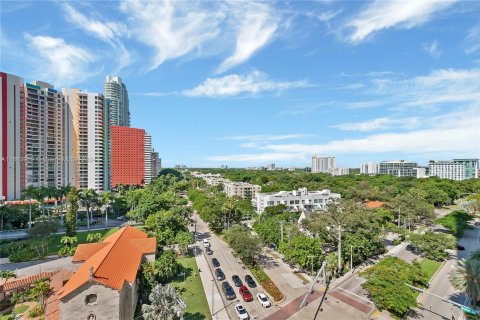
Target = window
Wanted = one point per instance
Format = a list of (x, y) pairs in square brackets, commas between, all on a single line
[(91, 299)]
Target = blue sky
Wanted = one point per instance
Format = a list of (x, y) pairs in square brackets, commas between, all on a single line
[(249, 83)]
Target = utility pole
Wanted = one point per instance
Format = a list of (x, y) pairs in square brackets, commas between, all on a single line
[(399, 217), (281, 229), (311, 256), (213, 290), (339, 249)]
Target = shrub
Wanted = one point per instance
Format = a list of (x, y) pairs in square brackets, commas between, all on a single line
[(35, 312), (267, 283)]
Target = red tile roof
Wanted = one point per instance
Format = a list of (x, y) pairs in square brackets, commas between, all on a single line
[(373, 204), (86, 250), (23, 282), (52, 309), (115, 263)]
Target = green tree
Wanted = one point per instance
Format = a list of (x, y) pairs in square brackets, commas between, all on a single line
[(40, 291), (466, 278), (43, 227), (433, 244), (166, 266), (7, 274), (300, 250), (69, 246), (88, 199), (71, 216), (165, 303), (412, 207), (183, 239), (246, 246), (386, 284), (94, 237)]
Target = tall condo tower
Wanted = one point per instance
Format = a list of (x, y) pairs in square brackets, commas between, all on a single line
[(116, 91)]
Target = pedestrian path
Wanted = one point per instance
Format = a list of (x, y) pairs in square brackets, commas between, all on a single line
[(293, 307), (214, 298)]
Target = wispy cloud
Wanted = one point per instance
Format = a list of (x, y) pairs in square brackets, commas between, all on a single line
[(401, 14), (106, 31), (473, 40), (432, 49), (257, 157), (172, 28), (379, 123), (62, 63), (329, 15), (234, 84), (257, 24), (266, 137)]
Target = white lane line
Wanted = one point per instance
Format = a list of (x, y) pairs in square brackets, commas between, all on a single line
[(356, 295)]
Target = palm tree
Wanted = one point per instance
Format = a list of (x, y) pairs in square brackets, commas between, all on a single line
[(229, 208), (166, 304), (7, 274), (88, 198), (41, 289), (466, 278), (107, 199)]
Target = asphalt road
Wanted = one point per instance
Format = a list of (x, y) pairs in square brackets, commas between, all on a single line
[(435, 308), (231, 266)]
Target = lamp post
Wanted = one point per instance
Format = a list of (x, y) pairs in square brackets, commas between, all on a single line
[(30, 214), (106, 213), (311, 256), (2, 199)]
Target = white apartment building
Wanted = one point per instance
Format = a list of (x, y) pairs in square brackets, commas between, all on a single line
[(212, 179), (86, 139), (116, 91), (241, 189), (44, 135), (421, 172), (12, 125), (148, 158), (296, 200), (323, 164), (456, 169), (370, 168), (339, 171), (398, 168)]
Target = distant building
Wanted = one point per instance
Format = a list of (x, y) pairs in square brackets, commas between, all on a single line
[(370, 168), (339, 171), (156, 164), (296, 200), (421, 172), (180, 166), (456, 169), (398, 168), (271, 166), (323, 164), (105, 286), (116, 91), (148, 158), (241, 189)]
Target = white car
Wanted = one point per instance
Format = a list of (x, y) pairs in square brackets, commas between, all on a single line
[(241, 312), (262, 298), (206, 244)]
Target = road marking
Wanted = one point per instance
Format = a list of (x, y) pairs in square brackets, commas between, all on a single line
[(356, 295)]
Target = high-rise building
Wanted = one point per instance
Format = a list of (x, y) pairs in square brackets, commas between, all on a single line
[(127, 156), (86, 139), (116, 91), (369, 168), (12, 102), (148, 158), (44, 135), (156, 165), (271, 166), (456, 169), (323, 164), (398, 168)]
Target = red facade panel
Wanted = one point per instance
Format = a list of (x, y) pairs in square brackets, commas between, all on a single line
[(127, 159)]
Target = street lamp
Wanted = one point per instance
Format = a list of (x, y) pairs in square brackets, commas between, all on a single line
[(106, 213), (339, 229), (311, 256), (2, 199)]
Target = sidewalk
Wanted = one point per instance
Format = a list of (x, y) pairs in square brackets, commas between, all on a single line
[(210, 288)]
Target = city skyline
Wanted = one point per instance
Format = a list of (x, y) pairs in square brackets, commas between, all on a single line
[(268, 82)]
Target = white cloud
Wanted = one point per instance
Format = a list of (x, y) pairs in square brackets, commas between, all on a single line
[(257, 157), (172, 28), (473, 40), (378, 123), (61, 63), (402, 14), (235, 84), (432, 49), (106, 31), (452, 133), (265, 137), (257, 24), (329, 15)]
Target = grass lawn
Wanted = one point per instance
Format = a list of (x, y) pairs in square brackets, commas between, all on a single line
[(192, 291), (18, 310), (430, 267), (456, 221)]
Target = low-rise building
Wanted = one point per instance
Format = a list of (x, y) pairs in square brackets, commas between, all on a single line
[(105, 286), (456, 169), (241, 189), (398, 168), (296, 200), (370, 168)]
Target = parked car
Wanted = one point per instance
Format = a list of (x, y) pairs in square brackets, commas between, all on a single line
[(237, 281), (121, 218), (208, 251), (249, 280), (206, 243), (219, 274), (215, 262), (228, 291), (262, 298), (242, 314), (245, 293), (412, 248), (477, 224), (459, 247)]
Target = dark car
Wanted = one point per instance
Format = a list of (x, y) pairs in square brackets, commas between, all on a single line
[(237, 281), (245, 293), (215, 262), (477, 224), (208, 251), (219, 274), (228, 291), (249, 280), (412, 248), (459, 247)]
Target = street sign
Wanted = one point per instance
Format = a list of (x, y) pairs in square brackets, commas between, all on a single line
[(470, 311)]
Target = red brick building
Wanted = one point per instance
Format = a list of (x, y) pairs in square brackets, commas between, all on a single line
[(127, 156)]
